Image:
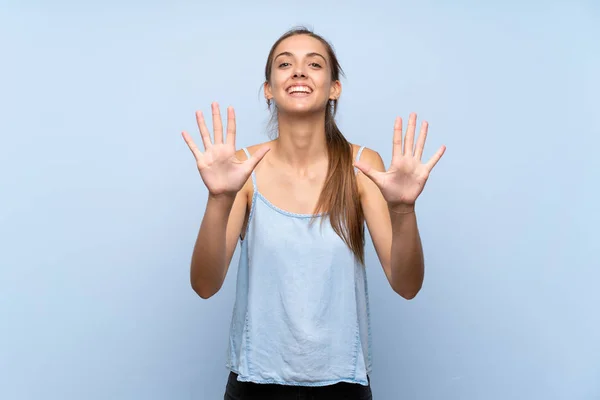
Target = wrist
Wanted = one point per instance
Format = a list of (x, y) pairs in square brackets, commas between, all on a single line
[(401, 208), (221, 200)]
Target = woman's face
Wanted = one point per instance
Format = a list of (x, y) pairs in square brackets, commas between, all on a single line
[(300, 79)]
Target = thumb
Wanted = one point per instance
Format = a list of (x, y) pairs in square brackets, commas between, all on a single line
[(373, 174), (257, 156)]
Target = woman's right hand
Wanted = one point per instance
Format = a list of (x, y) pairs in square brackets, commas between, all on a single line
[(222, 173)]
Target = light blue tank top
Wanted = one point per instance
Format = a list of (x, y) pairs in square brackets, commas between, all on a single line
[(301, 313)]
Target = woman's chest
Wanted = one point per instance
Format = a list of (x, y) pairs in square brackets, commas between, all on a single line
[(292, 194)]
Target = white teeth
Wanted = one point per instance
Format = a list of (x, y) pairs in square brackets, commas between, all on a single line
[(301, 89)]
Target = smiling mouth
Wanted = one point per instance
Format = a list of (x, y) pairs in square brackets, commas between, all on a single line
[(299, 90)]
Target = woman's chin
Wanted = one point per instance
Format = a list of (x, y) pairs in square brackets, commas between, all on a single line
[(300, 108)]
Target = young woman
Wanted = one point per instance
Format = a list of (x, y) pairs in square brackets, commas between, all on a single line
[(298, 205)]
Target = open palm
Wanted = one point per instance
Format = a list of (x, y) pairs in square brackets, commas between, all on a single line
[(221, 171), (405, 179)]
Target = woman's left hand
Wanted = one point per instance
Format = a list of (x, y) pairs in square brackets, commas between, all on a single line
[(405, 179)]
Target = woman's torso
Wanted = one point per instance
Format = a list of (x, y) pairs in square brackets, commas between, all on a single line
[(301, 315)]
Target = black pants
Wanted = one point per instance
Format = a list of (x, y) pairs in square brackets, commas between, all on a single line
[(258, 391)]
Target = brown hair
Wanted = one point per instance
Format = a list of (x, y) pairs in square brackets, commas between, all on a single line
[(339, 197)]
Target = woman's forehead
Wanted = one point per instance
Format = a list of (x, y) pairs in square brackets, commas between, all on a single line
[(300, 45)]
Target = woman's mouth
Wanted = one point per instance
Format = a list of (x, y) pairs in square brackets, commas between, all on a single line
[(299, 91)]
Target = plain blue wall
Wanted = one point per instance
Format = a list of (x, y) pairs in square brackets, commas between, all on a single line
[(101, 200)]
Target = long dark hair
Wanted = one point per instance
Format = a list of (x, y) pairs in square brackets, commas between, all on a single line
[(339, 197)]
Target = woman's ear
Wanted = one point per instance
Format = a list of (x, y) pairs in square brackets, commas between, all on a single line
[(336, 90), (267, 90)]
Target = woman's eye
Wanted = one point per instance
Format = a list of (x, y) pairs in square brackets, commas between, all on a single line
[(316, 65), (283, 65)]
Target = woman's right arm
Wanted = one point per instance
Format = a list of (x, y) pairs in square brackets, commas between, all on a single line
[(227, 179), (219, 232)]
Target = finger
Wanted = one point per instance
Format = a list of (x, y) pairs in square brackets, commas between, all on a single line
[(192, 146), (397, 146), (421, 140), (257, 156), (371, 173), (217, 123), (231, 127), (435, 158), (203, 130), (409, 138)]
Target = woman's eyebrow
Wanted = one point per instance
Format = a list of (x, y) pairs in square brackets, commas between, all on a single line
[(312, 54)]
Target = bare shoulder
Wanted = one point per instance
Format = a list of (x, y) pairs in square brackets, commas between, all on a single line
[(368, 156), (242, 156), (374, 160)]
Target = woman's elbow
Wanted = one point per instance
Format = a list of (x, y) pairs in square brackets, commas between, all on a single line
[(204, 291)]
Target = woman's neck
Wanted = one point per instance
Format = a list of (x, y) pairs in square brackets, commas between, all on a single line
[(301, 141)]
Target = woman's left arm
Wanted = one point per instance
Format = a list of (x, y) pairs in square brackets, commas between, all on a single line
[(388, 200)]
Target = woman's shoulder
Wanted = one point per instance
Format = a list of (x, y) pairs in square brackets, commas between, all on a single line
[(364, 153), (241, 155)]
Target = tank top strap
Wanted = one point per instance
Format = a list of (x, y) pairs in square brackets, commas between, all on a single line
[(252, 175), (358, 154)]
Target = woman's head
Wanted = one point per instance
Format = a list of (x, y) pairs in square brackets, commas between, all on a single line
[(302, 74)]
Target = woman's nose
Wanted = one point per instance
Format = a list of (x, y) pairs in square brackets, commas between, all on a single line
[(299, 73)]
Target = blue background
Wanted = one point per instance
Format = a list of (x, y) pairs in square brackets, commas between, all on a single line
[(100, 199)]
